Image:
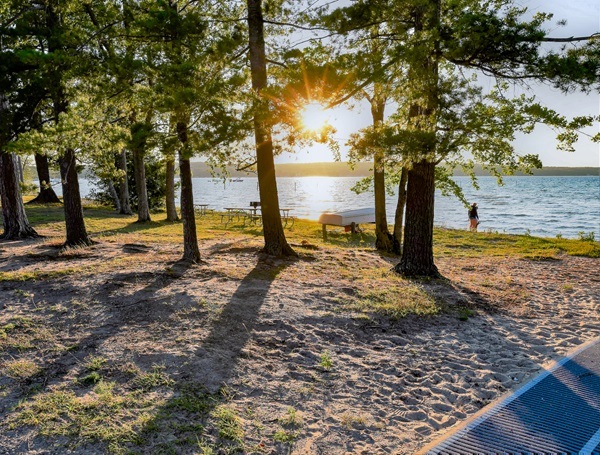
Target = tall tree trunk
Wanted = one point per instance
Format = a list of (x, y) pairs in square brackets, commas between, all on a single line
[(75, 224), (138, 150), (417, 253), (16, 224), (190, 239), (399, 218), (46, 194), (123, 185), (275, 241), (20, 172), (170, 190), (113, 193), (383, 238)]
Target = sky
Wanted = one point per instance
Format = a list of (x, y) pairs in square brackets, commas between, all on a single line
[(583, 18)]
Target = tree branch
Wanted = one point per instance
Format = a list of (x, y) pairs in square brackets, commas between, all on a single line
[(243, 168), (300, 27), (276, 63), (571, 39)]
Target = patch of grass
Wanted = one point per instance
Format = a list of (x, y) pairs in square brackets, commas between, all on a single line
[(16, 323), (38, 275), (457, 243), (23, 334), (587, 237), (285, 436), (394, 300), (228, 423), (21, 369), (567, 287), (465, 313), (194, 400), (94, 363), (325, 361), (154, 378), (351, 420), (105, 223), (102, 414), (205, 448), (291, 418), (91, 379), (291, 422)]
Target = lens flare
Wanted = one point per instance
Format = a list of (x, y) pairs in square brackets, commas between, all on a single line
[(314, 117)]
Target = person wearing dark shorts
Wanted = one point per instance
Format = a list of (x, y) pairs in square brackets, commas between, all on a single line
[(473, 217)]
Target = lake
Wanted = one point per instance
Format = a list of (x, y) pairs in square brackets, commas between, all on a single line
[(543, 206)]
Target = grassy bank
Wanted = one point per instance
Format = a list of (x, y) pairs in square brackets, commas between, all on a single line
[(104, 225)]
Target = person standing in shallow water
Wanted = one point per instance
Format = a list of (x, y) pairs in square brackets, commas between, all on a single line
[(473, 217)]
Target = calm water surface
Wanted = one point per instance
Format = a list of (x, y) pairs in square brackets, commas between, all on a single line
[(543, 206)]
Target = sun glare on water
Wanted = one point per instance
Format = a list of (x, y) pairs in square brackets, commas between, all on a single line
[(314, 117)]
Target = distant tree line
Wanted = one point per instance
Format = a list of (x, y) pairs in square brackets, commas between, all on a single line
[(365, 169), (134, 89)]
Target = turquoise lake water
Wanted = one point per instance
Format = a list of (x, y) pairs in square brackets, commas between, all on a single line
[(541, 206)]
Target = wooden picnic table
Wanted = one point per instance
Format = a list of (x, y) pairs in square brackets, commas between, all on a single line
[(254, 216), (231, 213), (202, 209), (286, 217)]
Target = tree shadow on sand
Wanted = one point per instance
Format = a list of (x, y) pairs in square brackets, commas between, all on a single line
[(197, 416), (221, 349), (193, 381)]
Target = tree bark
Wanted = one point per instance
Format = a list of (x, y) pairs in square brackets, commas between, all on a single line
[(123, 185), (417, 253), (114, 195), (16, 223), (170, 190), (138, 149), (399, 218), (46, 194), (383, 238), (275, 242), (20, 172), (191, 251), (75, 224)]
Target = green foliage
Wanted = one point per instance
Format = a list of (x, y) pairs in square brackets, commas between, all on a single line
[(28, 188), (156, 377), (325, 361), (465, 313), (228, 423), (589, 237), (472, 125), (94, 363), (155, 167), (91, 378)]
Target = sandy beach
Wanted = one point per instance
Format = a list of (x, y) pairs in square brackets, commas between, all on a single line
[(301, 368)]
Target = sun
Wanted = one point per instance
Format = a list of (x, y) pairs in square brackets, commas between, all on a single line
[(314, 117)]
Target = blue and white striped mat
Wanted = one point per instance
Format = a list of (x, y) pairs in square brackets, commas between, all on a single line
[(557, 412)]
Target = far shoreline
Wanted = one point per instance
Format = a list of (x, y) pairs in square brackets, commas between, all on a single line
[(343, 169)]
